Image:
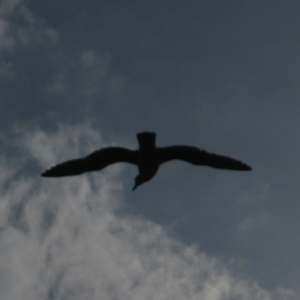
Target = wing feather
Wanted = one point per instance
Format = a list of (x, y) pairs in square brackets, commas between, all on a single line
[(93, 162), (198, 156)]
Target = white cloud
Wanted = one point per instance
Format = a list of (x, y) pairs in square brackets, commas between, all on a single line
[(73, 74), (20, 29), (252, 220), (7, 7), (85, 74), (65, 238), (7, 42)]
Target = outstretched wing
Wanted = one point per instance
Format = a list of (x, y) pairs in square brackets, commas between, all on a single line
[(93, 162), (197, 156)]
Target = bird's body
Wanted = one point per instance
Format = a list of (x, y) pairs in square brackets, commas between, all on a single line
[(147, 158)]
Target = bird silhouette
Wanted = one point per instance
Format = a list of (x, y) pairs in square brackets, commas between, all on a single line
[(147, 158)]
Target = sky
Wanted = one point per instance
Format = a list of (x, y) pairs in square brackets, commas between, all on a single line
[(76, 76)]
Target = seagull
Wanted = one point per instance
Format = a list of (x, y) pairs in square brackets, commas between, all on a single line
[(147, 158)]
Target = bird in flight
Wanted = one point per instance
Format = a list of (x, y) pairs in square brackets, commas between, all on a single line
[(147, 158)]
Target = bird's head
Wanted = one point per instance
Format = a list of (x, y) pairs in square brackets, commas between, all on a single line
[(138, 181), (146, 139)]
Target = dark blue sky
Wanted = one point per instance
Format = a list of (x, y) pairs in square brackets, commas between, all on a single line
[(220, 75)]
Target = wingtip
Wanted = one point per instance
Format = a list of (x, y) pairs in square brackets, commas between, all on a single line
[(44, 174), (49, 173), (247, 168), (239, 166)]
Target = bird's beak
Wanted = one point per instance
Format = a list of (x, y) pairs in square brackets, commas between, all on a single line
[(135, 186)]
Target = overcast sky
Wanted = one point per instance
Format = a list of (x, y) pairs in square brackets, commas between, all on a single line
[(79, 75)]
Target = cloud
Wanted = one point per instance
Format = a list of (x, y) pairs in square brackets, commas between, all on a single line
[(61, 81), (71, 238), (20, 29), (7, 41), (85, 74), (7, 7)]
